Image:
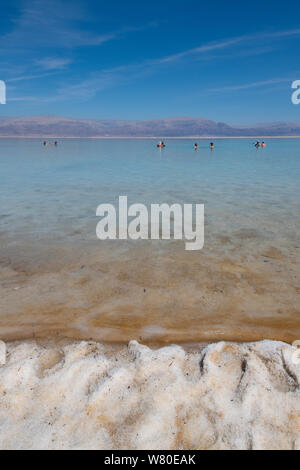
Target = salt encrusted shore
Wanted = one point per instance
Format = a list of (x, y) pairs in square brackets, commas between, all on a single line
[(87, 395)]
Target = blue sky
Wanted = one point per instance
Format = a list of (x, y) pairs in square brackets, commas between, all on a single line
[(223, 60)]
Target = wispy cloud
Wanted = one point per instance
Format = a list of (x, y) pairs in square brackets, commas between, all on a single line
[(23, 98), (86, 89), (52, 23), (281, 34), (246, 86), (52, 63), (37, 25), (108, 78), (244, 40), (205, 50), (212, 46), (22, 78)]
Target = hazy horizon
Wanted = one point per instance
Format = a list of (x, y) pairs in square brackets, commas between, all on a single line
[(56, 126), (166, 117)]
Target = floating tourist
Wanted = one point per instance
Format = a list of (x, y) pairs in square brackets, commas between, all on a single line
[(45, 143), (161, 144)]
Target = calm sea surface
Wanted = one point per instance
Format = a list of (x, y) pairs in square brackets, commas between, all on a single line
[(53, 190)]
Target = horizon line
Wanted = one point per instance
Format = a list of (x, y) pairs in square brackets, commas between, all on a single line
[(199, 137)]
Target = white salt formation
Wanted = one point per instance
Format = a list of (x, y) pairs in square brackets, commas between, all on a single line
[(93, 396)]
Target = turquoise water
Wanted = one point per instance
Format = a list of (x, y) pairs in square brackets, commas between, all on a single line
[(54, 192)]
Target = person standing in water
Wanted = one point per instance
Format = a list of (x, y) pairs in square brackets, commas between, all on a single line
[(195, 146), (263, 144), (212, 146), (257, 144)]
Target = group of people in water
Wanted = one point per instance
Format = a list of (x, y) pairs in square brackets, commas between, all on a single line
[(161, 145), (211, 146), (258, 144), (45, 143)]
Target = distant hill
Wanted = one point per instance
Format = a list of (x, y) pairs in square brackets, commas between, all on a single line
[(54, 126)]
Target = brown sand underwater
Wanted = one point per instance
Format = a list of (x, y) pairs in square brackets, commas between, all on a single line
[(152, 292)]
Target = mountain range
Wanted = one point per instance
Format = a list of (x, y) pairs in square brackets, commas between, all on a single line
[(55, 126)]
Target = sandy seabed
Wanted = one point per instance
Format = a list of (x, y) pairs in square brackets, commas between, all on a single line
[(88, 395), (153, 293)]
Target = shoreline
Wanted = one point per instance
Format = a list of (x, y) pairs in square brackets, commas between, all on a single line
[(155, 345), (153, 336)]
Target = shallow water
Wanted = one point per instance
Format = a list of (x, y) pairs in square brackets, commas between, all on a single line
[(57, 278)]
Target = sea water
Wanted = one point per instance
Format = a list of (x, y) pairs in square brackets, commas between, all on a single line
[(49, 196)]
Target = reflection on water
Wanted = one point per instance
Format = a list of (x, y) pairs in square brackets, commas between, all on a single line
[(56, 277)]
